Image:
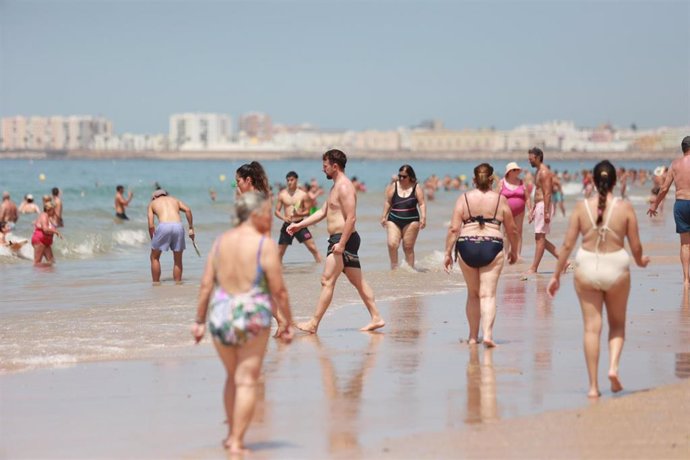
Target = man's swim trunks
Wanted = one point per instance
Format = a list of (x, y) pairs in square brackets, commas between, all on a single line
[(286, 239), (121, 215), (540, 225), (169, 235), (681, 214), (350, 257)]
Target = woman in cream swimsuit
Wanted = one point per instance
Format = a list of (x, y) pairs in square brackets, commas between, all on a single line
[(602, 276)]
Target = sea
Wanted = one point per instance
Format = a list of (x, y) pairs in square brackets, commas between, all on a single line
[(97, 303)]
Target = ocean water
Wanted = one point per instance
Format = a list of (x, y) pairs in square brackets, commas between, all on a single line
[(97, 302)]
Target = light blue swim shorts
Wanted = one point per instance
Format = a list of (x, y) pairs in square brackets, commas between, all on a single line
[(169, 235)]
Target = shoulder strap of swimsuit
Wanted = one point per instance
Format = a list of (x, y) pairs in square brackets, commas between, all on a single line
[(259, 270), (497, 203), (589, 213), (468, 206)]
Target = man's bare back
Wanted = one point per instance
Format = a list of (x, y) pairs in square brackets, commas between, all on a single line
[(167, 209)]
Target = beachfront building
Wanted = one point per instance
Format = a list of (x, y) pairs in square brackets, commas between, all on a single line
[(447, 141), (256, 126), (375, 141), (130, 142), (76, 132), (199, 131)]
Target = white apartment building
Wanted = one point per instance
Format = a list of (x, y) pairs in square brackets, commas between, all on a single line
[(199, 131)]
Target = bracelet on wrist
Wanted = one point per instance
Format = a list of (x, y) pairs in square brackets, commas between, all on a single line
[(200, 322)]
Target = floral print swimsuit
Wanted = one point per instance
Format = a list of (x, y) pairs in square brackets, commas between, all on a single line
[(236, 318)]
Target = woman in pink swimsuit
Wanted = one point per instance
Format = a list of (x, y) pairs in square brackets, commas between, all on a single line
[(516, 193)]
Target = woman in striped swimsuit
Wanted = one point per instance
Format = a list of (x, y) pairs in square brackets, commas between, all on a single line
[(404, 214)]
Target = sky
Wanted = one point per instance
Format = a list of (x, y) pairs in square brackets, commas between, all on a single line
[(349, 64)]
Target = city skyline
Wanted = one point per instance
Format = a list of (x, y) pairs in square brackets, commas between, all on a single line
[(349, 65)]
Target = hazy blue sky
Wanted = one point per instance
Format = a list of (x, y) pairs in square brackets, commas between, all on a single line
[(365, 64)]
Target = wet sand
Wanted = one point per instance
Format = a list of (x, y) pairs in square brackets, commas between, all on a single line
[(412, 390)]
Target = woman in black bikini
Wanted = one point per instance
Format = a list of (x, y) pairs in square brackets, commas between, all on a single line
[(404, 214), (478, 240)]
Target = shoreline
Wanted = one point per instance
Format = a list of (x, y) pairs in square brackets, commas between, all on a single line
[(292, 155)]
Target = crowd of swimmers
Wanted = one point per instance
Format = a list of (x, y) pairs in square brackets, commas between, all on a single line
[(242, 287)]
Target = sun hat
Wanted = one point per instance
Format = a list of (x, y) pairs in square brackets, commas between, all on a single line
[(659, 171), (29, 197), (512, 165)]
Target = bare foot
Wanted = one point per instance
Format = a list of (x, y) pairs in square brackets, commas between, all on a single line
[(593, 393), (488, 343), (236, 448), (373, 325), (527, 274), (279, 330), (156, 283), (616, 385), (308, 326), (472, 341)]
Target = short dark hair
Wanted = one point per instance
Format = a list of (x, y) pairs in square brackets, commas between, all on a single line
[(685, 144), (56, 191), (291, 174), (335, 156), (120, 188), (536, 151)]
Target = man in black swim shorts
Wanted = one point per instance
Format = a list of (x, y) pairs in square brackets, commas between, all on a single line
[(339, 210), (290, 207)]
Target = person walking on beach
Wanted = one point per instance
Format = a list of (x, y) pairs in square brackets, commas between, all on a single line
[(404, 215), (540, 214), (602, 274), (57, 201), (291, 207), (517, 196), (475, 235), (121, 202), (339, 210), (169, 234), (679, 172), (242, 283), (8, 209), (42, 238)]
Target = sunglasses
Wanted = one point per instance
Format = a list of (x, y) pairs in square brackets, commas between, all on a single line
[(402, 176)]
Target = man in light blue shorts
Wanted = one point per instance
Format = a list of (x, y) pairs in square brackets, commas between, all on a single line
[(169, 234), (680, 173)]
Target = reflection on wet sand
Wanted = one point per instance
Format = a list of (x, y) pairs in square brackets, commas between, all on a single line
[(344, 403), (481, 387), (543, 342)]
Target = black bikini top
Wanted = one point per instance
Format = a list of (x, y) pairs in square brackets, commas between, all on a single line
[(481, 220)]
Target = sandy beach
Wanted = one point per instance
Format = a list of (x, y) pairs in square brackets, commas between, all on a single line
[(413, 390)]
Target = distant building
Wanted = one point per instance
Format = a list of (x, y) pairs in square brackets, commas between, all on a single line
[(256, 126), (199, 131), (452, 141), (76, 132)]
